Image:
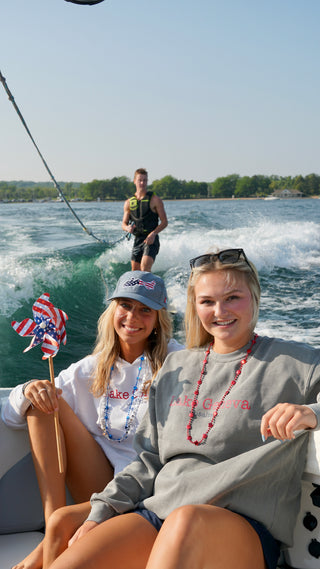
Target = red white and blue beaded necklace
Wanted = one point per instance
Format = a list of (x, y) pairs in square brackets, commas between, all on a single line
[(137, 395), (216, 410)]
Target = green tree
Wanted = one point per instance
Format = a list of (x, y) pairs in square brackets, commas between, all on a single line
[(195, 190), (246, 187), (224, 187), (299, 184), (312, 185), (168, 188)]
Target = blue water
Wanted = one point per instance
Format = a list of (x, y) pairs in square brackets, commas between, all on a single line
[(44, 249)]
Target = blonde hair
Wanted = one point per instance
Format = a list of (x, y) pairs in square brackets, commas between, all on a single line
[(107, 347), (196, 335)]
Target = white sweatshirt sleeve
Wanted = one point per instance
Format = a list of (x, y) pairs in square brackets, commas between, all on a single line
[(14, 410)]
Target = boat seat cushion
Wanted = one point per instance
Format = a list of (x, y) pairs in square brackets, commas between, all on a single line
[(21, 508), (16, 546)]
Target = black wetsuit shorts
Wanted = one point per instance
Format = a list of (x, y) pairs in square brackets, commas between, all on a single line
[(140, 248)]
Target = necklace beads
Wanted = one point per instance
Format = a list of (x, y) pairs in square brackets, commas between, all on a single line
[(197, 390), (133, 407)]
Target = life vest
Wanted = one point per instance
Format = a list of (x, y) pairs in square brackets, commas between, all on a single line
[(142, 215)]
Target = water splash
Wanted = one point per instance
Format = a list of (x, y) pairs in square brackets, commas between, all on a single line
[(41, 250)]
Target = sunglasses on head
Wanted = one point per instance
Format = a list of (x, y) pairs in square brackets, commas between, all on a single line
[(227, 257)]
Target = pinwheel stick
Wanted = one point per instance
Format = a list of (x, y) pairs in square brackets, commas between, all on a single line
[(56, 422), (48, 328)]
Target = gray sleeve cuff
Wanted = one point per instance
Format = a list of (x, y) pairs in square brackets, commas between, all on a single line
[(316, 409), (100, 512)]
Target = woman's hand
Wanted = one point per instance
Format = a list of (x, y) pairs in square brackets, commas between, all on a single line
[(81, 531), (43, 395), (282, 420)]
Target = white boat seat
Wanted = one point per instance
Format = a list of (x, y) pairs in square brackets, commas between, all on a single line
[(15, 546)]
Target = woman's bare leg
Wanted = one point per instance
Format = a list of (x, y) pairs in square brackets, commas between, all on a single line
[(206, 537), (122, 542), (87, 469), (61, 526), (45, 459)]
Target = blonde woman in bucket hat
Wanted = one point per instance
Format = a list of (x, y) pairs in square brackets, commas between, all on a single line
[(101, 399)]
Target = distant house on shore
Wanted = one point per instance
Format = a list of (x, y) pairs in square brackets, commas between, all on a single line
[(286, 193)]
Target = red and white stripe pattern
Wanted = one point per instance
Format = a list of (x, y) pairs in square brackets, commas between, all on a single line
[(148, 285), (134, 281), (47, 327)]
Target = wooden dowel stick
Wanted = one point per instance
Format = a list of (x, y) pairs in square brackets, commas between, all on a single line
[(56, 422)]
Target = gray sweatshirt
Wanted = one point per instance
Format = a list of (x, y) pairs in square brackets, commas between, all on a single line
[(234, 469)]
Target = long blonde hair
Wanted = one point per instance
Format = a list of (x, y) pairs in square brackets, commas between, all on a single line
[(196, 335), (107, 347)]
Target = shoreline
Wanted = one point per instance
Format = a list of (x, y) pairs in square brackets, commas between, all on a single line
[(253, 198)]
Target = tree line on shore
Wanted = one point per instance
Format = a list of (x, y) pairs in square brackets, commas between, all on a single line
[(168, 188)]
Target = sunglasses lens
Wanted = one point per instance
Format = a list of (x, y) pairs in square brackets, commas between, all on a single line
[(229, 256), (232, 256), (198, 261)]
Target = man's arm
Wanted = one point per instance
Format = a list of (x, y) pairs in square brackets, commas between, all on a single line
[(126, 217), (156, 205)]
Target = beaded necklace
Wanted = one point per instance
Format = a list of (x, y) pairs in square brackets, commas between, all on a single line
[(133, 407), (196, 393)]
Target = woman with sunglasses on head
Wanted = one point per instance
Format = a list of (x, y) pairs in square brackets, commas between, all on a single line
[(101, 399), (222, 449)]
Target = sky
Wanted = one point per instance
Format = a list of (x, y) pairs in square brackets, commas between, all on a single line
[(195, 89)]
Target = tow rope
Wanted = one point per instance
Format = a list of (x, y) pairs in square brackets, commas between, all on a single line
[(61, 194)]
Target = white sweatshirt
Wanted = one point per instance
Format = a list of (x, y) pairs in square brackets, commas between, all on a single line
[(75, 385)]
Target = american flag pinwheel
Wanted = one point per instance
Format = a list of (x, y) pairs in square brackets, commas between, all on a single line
[(47, 327)]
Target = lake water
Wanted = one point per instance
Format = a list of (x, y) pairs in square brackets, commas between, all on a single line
[(44, 249)]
